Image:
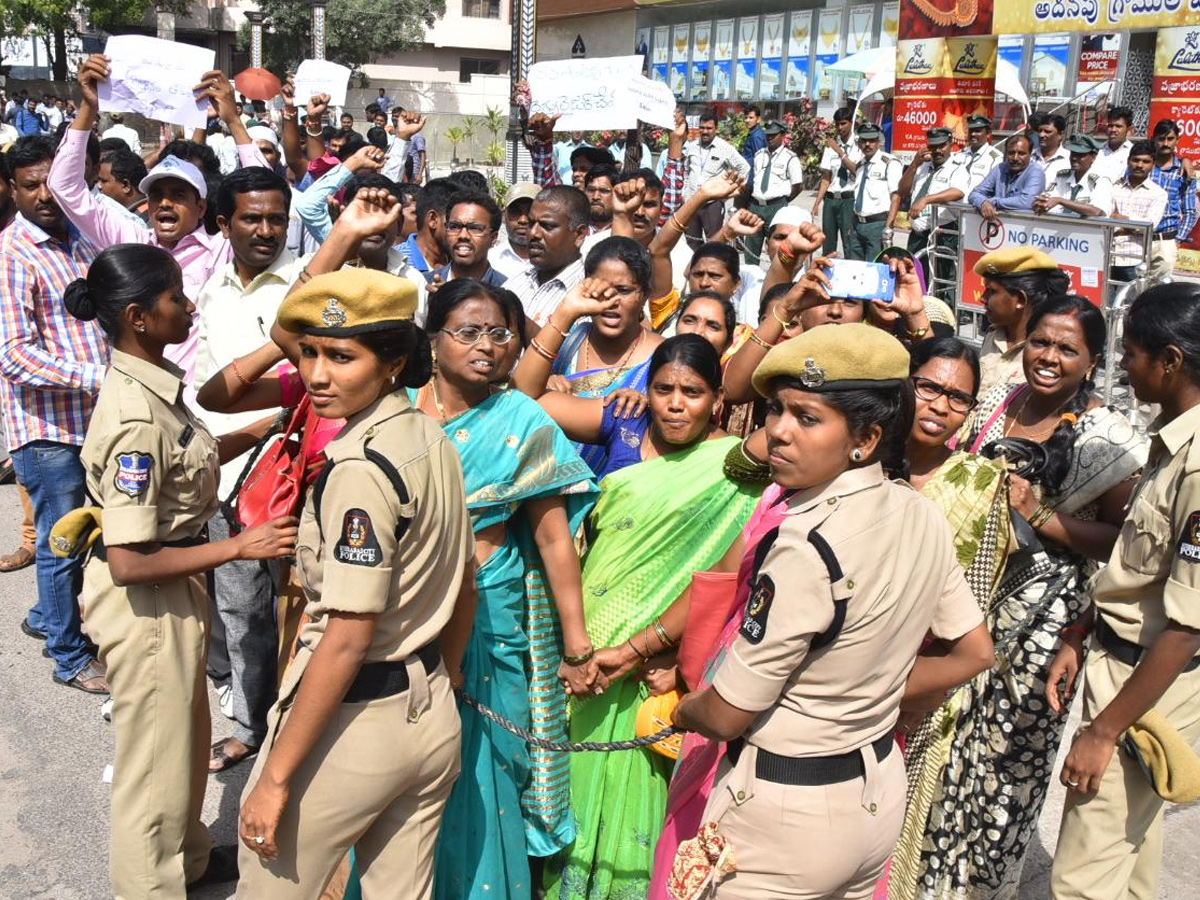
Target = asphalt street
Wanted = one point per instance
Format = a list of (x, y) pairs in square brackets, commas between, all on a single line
[(54, 747)]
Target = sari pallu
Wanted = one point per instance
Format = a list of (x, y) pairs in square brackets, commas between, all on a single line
[(1001, 753), (510, 803), (631, 574), (596, 383)]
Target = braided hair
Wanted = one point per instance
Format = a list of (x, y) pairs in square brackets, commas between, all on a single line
[(1060, 444)]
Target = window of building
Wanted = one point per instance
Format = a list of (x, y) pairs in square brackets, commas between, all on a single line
[(468, 67), (481, 9)]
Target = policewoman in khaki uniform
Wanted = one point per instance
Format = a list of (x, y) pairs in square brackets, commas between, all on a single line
[(362, 747), (152, 468), (1145, 625), (810, 796)]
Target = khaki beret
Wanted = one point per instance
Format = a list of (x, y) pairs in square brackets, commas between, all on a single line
[(1011, 260), (349, 302), (76, 532), (836, 358)]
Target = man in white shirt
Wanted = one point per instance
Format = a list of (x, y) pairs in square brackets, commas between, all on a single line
[(1051, 155), (1139, 198), (1080, 190), (980, 156), (705, 159), (237, 306), (1114, 156), (934, 177), (119, 129), (876, 196), (835, 196), (52, 111), (510, 256), (778, 179)]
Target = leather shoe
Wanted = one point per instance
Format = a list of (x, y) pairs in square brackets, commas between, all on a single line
[(28, 629), (222, 867), (91, 679)]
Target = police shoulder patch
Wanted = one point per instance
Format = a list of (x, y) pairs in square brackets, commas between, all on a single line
[(133, 473), (357, 544), (1189, 541), (762, 595)]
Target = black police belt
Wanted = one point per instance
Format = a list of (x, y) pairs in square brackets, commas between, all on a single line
[(812, 771), (101, 552), (1127, 651), (877, 217), (377, 680)]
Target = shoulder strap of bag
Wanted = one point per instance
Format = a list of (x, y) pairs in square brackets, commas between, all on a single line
[(392, 473)]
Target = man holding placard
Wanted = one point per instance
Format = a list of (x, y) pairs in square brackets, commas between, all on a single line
[(176, 189)]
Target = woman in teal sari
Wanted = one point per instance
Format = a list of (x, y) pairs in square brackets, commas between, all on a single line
[(528, 492)]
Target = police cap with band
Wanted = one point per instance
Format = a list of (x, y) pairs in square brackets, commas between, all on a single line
[(774, 128), (1082, 143), (979, 122), (349, 302), (870, 132), (937, 137), (836, 358)]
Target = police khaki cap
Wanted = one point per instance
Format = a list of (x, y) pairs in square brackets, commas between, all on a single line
[(525, 190), (1082, 143), (1011, 260), (936, 137), (349, 302), (836, 358)]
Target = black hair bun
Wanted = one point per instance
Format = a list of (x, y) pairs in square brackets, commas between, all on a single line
[(79, 301)]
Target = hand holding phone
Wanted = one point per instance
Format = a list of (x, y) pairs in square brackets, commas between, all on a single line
[(857, 280)]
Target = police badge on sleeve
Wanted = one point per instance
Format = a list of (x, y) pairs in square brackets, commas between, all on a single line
[(357, 545), (1189, 542), (762, 595), (133, 473)]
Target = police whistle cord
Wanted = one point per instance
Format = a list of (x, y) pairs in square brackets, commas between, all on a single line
[(564, 746)]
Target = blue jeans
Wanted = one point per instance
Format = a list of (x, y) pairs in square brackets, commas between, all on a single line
[(53, 475)]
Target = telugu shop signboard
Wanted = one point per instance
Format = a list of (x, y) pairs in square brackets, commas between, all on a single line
[(1024, 16), (1076, 245), (940, 82)]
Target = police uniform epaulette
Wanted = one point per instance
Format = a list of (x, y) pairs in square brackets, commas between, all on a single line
[(132, 403), (1192, 464)]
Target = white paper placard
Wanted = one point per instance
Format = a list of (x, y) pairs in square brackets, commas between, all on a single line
[(592, 94), (320, 76), (156, 79)]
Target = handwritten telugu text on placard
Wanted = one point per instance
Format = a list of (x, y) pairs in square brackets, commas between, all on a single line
[(156, 79)]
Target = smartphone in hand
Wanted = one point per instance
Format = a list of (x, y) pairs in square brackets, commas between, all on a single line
[(856, 280)]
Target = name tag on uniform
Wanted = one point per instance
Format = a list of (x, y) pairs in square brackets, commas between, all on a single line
[(357, 544), (186, 436)]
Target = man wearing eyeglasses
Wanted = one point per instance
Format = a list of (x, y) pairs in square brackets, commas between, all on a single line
[(471, 228)]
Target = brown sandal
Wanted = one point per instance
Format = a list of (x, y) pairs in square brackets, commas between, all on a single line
[(19, 559), (226, 756)]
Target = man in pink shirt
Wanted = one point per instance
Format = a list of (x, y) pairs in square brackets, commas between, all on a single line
[(176, 193)]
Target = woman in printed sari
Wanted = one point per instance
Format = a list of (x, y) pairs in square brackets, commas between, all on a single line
[(631, 576), (984, 811), (528, 492), (611, 350)]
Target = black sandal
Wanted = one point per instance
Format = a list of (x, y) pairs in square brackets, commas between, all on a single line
[(222, 760)]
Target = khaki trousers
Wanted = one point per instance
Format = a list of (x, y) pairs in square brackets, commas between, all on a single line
[(377, 780), (808, 842), (154, 641), (1110, 844)]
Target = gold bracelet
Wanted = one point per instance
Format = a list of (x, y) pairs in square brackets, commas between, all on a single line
[(1041, 516), (775, 313), (550, 322), (755, 339), (674, 221), (919, 333), (542, 351), (661, 632)]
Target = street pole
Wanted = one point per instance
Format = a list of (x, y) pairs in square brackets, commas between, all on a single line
[(255, 18), (524, 48), (318, 29)]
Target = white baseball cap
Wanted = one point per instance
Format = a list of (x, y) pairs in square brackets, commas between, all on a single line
[(174, 167)]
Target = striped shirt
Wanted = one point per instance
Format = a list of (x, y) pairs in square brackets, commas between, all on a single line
[(540, 300), (1144, 203), (1182, 212), (53, 363)]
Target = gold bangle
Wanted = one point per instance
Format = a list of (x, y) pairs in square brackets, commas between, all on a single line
[(550, 322), (674, 221), (661, 632), (542, 351), (637, 652), (755, 339), (919, 333), (787, 258), (775, 313), (1041, 516)]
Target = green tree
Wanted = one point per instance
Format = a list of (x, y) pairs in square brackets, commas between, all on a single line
[(455, 135), (495, 122), (53, 20), (356, 31)]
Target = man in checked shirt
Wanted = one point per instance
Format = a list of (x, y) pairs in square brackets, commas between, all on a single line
[(1176, 176)]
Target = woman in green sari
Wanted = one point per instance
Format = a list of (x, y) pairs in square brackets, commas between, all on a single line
[(528, 492), (657, 522)]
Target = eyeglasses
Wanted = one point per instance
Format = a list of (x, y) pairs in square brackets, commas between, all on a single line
[(929, 391), (474, 227), (471, 335)]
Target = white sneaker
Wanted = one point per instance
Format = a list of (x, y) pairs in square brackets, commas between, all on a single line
[(225, 700)]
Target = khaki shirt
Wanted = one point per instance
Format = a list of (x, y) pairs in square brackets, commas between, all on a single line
[(351, 562), (899, 568), (1153, 574), (999, 362), (882, 173), (149, 462)]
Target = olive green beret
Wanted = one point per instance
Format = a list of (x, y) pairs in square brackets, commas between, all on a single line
[(869, 132), (1011, 260), (349, 302), (1083, 143), (836, 358), (937, 137)]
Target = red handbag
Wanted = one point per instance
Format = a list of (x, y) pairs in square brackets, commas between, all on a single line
[(271, 486)]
